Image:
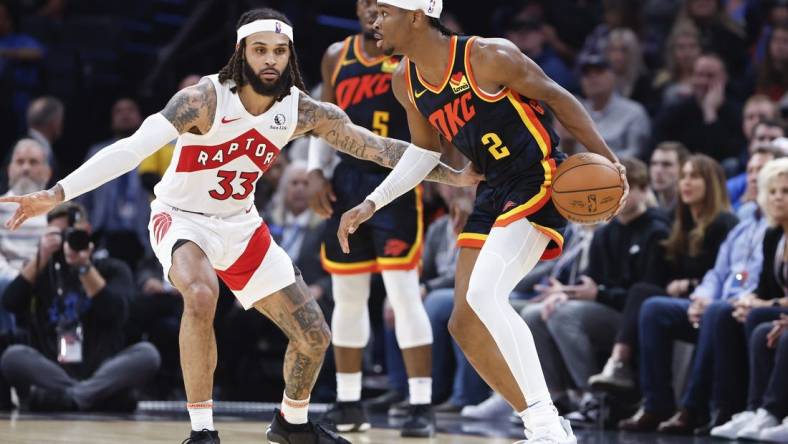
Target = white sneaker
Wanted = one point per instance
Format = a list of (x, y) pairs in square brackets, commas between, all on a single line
[(493, 407), (561, 433), (761, 421), (777, 433), (732, 427)]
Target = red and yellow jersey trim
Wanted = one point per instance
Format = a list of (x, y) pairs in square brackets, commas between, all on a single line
[(447, 73), (409, 81), (362, 57), (341, 60), (471, 240), (555, 236), (472, 79)]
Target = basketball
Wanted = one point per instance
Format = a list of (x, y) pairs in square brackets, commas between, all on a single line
[(587, 188)]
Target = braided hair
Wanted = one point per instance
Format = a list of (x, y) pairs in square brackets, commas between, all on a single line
[(235, 67)]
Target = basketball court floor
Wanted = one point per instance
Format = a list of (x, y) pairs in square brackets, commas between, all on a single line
[(245, 423)]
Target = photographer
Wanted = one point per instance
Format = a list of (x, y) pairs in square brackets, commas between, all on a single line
[(74, 306)]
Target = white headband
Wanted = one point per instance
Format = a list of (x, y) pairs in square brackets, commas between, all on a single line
[(432, 8), (264, 25)]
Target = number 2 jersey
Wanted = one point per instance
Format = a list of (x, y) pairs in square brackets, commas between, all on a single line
[(504, 134), (216, 173)]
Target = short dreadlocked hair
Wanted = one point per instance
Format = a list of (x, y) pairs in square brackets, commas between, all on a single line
[(234, 68)]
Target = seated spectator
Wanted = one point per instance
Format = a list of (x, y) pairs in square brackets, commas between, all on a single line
[(702, 221), (74, 306), (119, 211), (528, 34), (704, 318), (626, 60), (28, 172), (765, 304), (756, 109), (719, 33), (709, 122), (664, 171), (675, 79), (623, 123), (772, 73), (768, 379), (45, 117), (577, 322), (744, 188)]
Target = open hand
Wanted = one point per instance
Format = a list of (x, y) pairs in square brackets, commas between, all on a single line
[(31, 205), (351, 220), (622, 170)]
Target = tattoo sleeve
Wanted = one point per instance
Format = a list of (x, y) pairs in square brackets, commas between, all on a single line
[(332, 124), (192, 109)]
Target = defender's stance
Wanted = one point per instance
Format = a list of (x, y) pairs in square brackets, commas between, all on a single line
[(390, 243), (230, 129), (482, 95)]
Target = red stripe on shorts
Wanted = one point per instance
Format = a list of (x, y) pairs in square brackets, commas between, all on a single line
[(238, 274)]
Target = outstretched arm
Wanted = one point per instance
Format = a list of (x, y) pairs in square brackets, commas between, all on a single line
[(190, 110), (330, 122)]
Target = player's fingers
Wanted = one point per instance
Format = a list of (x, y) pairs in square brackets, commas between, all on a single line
[(331, 195), (9, 199), (342, 237), (17, 220), (325, 205)]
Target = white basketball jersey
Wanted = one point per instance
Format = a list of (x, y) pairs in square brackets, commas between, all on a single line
[(216, 173)]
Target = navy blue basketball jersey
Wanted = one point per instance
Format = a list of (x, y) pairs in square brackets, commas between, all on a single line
[(504, 134), (363, 90)]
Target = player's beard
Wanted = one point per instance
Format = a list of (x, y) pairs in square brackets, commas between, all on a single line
[(269, 89)]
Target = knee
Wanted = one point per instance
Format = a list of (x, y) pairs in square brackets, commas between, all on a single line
[(652, 310), (199, 301), (758, 338), (148, 355), (459, 322), (12, 355), (314, 341)]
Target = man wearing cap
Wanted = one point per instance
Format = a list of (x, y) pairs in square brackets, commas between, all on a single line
[(483, 96), (230, 128), (623, 123)]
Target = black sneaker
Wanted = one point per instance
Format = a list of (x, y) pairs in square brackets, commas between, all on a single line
[(420, 422), (345, 417), (204, 436), (50, 400), (282, 432), (399, 409), (382, 403)]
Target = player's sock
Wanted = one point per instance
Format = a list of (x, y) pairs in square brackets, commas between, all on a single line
[(542, 414), (348, 387), (201, 414), (295, 411), (420, 390)]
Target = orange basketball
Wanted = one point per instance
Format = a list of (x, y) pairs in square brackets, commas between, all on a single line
[(587, 188)]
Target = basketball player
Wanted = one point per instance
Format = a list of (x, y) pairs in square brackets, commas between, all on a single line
[(482, 95), (390, 243), (230, 128)]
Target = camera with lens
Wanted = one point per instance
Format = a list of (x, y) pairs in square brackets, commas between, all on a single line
[(77, 239)]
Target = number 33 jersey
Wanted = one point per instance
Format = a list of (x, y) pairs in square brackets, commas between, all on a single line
[(216, 173)]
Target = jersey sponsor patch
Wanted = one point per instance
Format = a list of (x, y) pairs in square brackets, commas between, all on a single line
[(459, 82)]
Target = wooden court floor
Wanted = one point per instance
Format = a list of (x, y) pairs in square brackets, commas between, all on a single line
[(14, 431)]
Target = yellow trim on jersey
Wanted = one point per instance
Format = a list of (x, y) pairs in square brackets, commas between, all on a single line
[(346, 267), (409, 82), (386, 262), (341, 61), (362, 57), (472, 236), (492, 98), (447, 74)]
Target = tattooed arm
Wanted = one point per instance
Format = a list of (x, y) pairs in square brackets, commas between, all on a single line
[(330, 122), (190, 110)]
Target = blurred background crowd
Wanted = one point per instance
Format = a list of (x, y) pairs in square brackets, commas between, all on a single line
[(669, 318)]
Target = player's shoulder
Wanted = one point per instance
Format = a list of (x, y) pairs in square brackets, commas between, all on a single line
[(335, 50), (492, 49), (193, 107)]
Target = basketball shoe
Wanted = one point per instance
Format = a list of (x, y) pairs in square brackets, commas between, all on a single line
[(344, 417), (282, 432)]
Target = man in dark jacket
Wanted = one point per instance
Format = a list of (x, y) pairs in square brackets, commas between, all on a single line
[(577, 323), (74, 306)]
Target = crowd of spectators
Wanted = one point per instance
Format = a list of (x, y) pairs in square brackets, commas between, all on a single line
[(692, 95)]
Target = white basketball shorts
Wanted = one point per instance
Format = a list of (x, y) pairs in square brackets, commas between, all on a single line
[(239, 248)]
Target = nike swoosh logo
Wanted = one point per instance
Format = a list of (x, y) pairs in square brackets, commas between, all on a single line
[(226, 120), (418, 94), (348, 62)]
